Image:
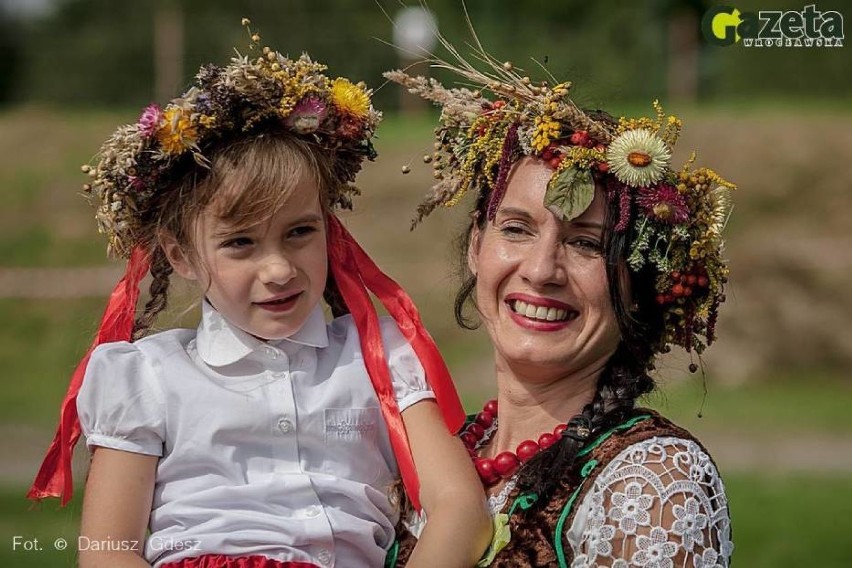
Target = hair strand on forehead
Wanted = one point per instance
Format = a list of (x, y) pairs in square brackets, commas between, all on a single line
[(248, 181)]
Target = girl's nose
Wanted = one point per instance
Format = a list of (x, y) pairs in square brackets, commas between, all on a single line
[(276, 269), (544, 264)]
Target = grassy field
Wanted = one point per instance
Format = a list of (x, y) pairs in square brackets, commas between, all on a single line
[(780, 371), (778, 522)]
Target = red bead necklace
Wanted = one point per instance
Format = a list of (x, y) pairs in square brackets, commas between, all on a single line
[(505, 464)]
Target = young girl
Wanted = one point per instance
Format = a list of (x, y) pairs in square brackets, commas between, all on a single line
[(266, 437)]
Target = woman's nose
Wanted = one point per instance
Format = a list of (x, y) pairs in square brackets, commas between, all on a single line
[(544, 264), (276, 269)]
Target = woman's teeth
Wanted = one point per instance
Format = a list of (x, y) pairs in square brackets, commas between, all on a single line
[(540, 312)]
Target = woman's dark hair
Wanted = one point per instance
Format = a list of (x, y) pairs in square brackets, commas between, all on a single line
[(624, 378)]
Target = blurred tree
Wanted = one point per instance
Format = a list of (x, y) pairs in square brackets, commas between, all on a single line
[(168, 48), (91, 52), (10, 57), (102, 52)]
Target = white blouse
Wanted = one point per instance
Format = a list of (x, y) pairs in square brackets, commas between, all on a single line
[(277, 449)]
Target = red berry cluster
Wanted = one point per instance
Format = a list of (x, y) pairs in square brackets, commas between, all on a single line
[(490, 110), (692, 282), (551, 156), (578, 138), (504, 464)]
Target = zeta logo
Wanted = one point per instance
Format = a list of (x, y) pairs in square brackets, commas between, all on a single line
[(724, 26)]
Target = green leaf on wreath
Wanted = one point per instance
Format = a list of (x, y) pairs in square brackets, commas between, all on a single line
[(570, 193)]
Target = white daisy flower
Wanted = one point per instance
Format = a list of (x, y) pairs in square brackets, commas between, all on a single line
[(638, 158)]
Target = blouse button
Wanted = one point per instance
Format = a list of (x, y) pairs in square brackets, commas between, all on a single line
[(324, 557), (285, 425), (272, 352), (313, 512)]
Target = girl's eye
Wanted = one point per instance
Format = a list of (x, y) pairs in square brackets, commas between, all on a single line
[(302, 231), (237, 243)]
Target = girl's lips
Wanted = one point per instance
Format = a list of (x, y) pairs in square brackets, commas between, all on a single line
[(282, 304)]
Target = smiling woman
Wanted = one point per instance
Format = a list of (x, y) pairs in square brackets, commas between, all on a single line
[(588, 256), (541, 285)]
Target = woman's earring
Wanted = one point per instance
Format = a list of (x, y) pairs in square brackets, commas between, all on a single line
[(634, 307)]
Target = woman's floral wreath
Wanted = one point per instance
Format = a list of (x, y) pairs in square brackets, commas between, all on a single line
[(251, 93), (677, 216)]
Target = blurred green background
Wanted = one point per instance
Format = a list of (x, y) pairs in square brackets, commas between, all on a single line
[(774, 403)]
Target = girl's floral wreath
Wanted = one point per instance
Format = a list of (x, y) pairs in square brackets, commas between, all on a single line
[(677, 216), (139, 159)]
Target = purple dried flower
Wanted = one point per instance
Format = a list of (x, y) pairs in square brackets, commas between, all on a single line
[(617, 190), (663, 203), (510, 145)]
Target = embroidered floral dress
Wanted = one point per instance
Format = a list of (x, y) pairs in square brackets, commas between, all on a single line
[(645, 494)]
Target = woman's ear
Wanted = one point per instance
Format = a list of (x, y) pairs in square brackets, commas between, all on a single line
[(177, 257), (473, 248)]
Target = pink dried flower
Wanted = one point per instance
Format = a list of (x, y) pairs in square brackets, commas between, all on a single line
[(663, 203), (350, 127), (150, 120), (306, 116), (136, 183)]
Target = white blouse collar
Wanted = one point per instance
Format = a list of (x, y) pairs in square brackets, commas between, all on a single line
[(221, 343)]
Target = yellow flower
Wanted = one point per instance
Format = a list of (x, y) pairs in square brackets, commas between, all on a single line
[(177, 133), (546, 131), (207, 121), (350, 99)]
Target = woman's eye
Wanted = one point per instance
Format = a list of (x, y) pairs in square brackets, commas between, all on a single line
[(514, 230), (239, 242), (588, 245)]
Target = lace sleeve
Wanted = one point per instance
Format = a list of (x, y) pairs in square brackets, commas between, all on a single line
[(659, 504)]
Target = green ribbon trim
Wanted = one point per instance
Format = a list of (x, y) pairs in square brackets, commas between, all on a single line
[(392, 555), (623, 426), (587, 469), (524, 501)]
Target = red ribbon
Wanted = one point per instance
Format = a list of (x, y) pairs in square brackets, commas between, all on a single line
[(355, 272), (54, 477)]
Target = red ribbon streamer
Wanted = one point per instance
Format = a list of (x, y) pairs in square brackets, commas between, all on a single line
[(54, 478), (355, 272)]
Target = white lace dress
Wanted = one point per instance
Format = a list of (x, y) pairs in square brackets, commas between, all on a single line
[(659, 504)]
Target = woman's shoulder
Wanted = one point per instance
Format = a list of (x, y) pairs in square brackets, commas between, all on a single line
[(652, 441), (659, 482)]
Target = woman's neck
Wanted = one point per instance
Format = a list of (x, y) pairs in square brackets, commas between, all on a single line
[(529, 407)]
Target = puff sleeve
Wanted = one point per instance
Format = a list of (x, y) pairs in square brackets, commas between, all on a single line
[(120, 403), (660, 502), (407, 374)]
